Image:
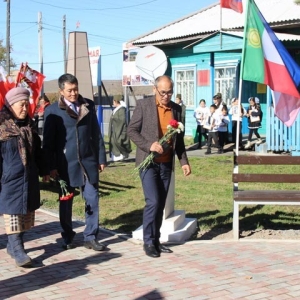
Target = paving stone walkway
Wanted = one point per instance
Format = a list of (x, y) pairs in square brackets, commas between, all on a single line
[(196, 270)]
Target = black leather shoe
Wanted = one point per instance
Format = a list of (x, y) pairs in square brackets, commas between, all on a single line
[(163, 249), (68, 240), (68, 246), (151, 251), (93, 244)]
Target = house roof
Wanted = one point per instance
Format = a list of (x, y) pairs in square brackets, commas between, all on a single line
[(203, 22), (281, 36)]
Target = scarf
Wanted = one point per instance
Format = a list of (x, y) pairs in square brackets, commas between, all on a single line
[(20, 129)]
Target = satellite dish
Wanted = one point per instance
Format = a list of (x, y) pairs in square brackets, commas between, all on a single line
[(151, 62)]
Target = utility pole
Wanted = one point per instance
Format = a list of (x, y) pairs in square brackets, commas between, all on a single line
[(40, 28), (7, 37), (65, 43)]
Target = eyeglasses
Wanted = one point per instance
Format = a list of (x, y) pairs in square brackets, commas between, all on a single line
[(163, 93)]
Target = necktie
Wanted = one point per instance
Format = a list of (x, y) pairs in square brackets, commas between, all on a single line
[(74, 107)]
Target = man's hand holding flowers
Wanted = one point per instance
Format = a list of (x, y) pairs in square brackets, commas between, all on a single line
[(173, 128)]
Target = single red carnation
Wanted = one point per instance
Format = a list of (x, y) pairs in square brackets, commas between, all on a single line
[(174, 124)]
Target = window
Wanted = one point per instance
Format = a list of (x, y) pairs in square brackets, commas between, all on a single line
[(185, 85), (225, 83)]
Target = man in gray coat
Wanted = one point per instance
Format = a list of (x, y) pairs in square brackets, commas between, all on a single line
[(75, 153), (148, 124)]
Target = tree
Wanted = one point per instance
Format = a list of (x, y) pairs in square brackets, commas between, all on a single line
[(3, 56)]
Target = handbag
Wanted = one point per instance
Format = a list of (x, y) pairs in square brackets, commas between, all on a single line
[(254, 118)]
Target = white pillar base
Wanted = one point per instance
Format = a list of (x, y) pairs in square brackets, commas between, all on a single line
[(175, 229)]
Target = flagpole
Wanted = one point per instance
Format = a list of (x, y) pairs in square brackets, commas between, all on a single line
[(221, 26), (241, 81)]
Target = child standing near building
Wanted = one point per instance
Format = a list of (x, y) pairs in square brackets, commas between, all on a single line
[(200, 114), (237, 114), (212, 128), (222, 123), (254, 116)]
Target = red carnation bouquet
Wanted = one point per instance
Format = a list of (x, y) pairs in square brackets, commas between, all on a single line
[(65, 194), (173, 128)]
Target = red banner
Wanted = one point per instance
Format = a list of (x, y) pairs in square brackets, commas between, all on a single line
[(33, 81), (6, 83)]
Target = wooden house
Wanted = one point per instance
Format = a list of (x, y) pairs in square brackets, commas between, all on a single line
[(204, 60)]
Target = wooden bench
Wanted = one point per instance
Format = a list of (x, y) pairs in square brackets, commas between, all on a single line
[(263, 196)]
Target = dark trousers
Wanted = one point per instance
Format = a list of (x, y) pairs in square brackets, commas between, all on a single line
[(91, 197), (222, 138), (251, 131), (234, 130), (212, 136), (202, 132), (155, 182)]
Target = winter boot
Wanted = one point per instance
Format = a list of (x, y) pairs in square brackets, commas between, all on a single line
[(220, 151), (9, 249), (16, 247), (248, 145), (259, 141)]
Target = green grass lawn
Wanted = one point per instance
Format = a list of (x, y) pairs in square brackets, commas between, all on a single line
[(206, 195)]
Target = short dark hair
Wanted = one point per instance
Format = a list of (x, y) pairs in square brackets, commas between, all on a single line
[(214, 106), (202, 100), (66, 78), (217, 97), (225, 108), (46, 99)]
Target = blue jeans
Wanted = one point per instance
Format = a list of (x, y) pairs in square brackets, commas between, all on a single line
[(155, 181), (91, 197)]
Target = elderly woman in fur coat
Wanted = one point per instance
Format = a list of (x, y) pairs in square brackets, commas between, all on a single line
[(20, 152)]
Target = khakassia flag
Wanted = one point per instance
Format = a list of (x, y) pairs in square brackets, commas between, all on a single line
[(266, 60)]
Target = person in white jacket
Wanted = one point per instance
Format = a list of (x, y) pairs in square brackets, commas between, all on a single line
[(222, 122), (200, 114), (211, 125), (237, 115)]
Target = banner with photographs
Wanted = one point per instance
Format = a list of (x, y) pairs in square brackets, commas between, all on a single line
[(131, 75)]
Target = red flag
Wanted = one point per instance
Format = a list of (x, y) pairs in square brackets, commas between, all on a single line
[(236, 5), (286, 107), (6, 83), (33, 81)]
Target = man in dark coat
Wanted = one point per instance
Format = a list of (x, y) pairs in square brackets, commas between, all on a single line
[(148, 124), (75, 152)]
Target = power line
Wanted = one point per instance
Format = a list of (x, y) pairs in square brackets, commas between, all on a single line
[(108, 8), (61, 61), (22, 31)]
